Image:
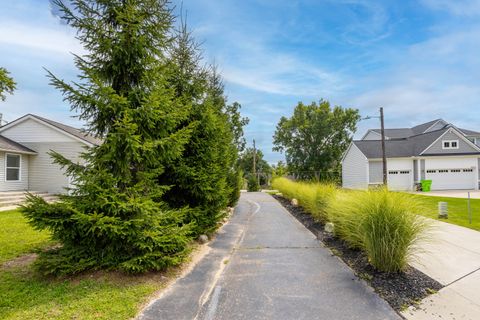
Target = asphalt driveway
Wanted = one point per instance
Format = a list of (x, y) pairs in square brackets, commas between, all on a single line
[(264, 264)]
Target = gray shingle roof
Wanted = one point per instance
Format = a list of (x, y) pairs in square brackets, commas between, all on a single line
[(12, 146), (399, 133), (406, 142), (71, 130), (424, 126), (397, 148), (396, 133), (469, 132)]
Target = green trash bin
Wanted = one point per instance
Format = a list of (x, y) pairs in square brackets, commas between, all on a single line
[(426, 185)]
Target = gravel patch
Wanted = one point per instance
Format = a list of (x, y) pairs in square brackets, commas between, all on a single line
[(400, 290)]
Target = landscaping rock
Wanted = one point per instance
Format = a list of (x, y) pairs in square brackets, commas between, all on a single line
[(329, 227), (294, 202), (203, 239)]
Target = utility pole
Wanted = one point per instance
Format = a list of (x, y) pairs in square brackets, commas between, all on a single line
[(384, 156), (254, 160)]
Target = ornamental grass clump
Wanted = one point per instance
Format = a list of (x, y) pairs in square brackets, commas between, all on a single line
[(391, 229), (383, 224), (286, 186), (325, 193), (313, 197), (345, 211)]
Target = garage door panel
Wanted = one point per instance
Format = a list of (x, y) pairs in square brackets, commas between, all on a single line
[(400, 180), (447, 179)]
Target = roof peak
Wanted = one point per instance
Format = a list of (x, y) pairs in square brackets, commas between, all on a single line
[(72, 131)]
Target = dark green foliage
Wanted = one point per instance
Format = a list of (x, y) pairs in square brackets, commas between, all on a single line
[(235, 183), (166, 168), (315, 138), (279, 170), (110, 231), (263, 169), (115, 217), (204, 178), (237, 123), (7, 85), (246, 162), (253, 183)]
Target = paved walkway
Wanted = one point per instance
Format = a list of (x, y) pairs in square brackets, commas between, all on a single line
[(452, 257), (474, 194), (264, 264)]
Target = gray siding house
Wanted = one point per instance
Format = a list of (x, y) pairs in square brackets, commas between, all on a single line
[(436, 150), (25, 164)]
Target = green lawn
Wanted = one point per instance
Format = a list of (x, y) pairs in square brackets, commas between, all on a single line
[(457, 210), (26, 295), (17, 237)]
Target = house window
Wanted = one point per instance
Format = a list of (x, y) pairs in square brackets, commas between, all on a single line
[(450, 144), (12, 167)]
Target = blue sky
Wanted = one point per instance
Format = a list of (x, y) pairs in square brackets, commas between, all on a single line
[(420, 60)]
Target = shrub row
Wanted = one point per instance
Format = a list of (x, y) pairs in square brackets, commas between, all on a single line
[(381, 223), (314, 197)]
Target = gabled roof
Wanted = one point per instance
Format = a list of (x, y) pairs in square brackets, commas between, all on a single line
[(396, 133), (78, 134), (400, 133), (8, 145), (469, 132), (399, 148), (421, 128)]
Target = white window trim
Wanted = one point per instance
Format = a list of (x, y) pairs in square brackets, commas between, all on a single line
[(450, 144), (19, 167)]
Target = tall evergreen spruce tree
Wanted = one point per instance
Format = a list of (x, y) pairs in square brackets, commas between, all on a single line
[(114, 218), (201, 178)]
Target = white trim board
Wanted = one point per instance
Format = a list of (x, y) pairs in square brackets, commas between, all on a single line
[(19, 167)]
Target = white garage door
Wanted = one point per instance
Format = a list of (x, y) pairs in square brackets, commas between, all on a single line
[(399, 180), (445, 179)]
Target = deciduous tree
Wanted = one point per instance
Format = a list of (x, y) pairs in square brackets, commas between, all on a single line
[(315, 137), (7, 84)]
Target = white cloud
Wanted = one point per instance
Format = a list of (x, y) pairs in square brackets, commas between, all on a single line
[(436, 78), (455, 7), (57, 40)]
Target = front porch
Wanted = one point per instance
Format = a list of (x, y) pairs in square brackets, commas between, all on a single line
[(12, 199)]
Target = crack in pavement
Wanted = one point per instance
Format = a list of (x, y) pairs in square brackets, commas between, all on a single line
[(212, 293)]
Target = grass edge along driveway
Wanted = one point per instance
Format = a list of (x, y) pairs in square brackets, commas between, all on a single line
[(97, 295)]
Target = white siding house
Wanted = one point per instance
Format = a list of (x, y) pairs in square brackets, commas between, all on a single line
[(435, 150), (35, 137), (355, 169)]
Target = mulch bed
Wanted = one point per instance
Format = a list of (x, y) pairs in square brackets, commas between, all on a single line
[(400, 290)]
